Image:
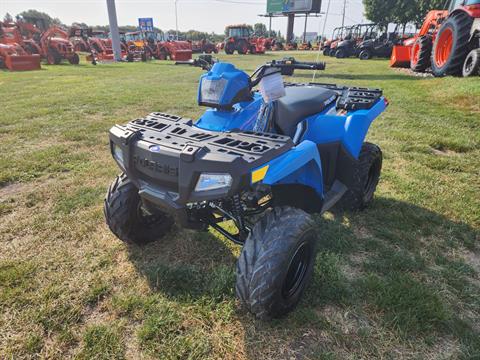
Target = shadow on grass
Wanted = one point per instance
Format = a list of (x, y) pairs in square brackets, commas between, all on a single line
[(391, 265)]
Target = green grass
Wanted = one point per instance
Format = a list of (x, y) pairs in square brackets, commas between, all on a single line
[(399, 280)]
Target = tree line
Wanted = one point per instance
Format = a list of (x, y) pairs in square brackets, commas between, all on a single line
[(46, 20), (403, 12)]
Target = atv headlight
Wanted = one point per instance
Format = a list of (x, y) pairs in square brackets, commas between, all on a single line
[(208, 182), (118, 153), (212, 90)]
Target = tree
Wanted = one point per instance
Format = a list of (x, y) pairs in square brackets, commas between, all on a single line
[(8, 18), (41, 19), (380, 11), (260, 29), (424, 6)]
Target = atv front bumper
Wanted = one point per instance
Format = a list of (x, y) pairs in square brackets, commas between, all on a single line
[(164, 156)]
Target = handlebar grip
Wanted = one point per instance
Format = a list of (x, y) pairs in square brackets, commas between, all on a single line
[(310, 66)]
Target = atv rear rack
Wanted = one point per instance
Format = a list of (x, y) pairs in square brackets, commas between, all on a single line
[(350, 98)]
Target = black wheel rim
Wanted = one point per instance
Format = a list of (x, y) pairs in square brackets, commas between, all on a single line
[(297, 271)]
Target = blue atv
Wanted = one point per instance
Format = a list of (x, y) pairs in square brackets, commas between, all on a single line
[(264, 160)]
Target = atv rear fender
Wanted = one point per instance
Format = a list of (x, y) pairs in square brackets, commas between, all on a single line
[(350, 129)]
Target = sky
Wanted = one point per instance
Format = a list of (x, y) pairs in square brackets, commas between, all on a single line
[(202, 15)]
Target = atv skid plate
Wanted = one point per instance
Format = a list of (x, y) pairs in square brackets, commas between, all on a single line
[(164, 155)]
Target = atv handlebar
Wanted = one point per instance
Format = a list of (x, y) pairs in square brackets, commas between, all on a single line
[(287, 67)]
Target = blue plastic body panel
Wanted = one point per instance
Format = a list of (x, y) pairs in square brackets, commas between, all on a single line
[(236, 81), (301, 165), (350, 130), (243, 117)]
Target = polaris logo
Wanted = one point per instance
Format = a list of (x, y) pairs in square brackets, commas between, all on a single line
[(155, 166)]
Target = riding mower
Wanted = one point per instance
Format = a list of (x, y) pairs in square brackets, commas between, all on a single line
[(263, 160)]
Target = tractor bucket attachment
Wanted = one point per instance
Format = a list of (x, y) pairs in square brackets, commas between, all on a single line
[(182, 55), (400, 56), (22, 62)]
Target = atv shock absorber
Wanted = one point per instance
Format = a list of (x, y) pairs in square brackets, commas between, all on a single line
[(237, 210)]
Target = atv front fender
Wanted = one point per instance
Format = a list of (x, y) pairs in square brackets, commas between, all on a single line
[(300, 165)]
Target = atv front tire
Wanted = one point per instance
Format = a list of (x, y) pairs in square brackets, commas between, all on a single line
[(127, 218), (276, 262), (366, 175)]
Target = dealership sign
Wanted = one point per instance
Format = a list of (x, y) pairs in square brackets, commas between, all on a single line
[(293, 6)]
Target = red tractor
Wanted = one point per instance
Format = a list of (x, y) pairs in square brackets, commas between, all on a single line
[(56, 46), (240, 38), (204, 47), (163, 48), (448, 42), (13, 55)]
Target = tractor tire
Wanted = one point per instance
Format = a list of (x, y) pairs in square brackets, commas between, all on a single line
[(126, 217), (340, 54), (229, 48), (365, 55), (366, 175), (53, 57), (326, 51), (276, 262), (253, 50), (74, 60), (471, 66), (451, 45), (242, 47), (421, 54)]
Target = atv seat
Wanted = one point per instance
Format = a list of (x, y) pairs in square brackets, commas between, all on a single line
[(298, 103)]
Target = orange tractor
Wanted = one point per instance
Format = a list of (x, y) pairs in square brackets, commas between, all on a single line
[(52, 44), (13, 54), (240, 38), (448, 42)]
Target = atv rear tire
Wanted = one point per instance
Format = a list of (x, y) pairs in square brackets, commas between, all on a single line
[(471, 66), (126, 217), (421, 54), (365, 55), (366, 175), (326, 51), (276, 262), (451, 45)]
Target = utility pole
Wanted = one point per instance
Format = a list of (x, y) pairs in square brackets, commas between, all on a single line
[(176, 18), (344, 8), (270, 26), (305, 29), (114, 33)]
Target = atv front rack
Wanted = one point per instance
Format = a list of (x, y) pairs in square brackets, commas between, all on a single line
[(164, 155)]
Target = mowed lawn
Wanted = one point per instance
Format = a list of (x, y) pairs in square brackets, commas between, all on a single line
[(398, 281)]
